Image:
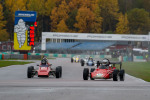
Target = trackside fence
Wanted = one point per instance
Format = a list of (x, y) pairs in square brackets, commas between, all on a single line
[(38, 56)]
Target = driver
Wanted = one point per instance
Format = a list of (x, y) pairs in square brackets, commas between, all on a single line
[(44, 61), (90, 58), (106, 63)]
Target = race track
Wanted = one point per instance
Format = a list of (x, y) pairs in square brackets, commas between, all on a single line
[(14, 85)]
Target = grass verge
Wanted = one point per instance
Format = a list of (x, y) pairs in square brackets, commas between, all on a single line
[(138, 69), (8, 63)]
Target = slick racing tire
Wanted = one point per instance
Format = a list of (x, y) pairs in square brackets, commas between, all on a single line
[(30, 72), (85, 74), (57, 73), (60, 68), (71, 60), (122, 75), (115, 75), (82, 63), (98, 63), (92, 70)]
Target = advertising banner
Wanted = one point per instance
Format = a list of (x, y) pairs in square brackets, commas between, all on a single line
[(24, 29)]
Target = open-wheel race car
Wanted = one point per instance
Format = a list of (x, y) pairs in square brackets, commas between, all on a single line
[(75, 59), (45, 69), (88, 61), (105, 70)]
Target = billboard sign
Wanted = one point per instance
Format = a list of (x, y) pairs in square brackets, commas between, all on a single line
[(24, 29)]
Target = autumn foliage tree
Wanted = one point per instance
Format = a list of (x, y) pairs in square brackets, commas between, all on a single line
[(109, 13), (102, 16), (14, 5), (86, 21), (58, 14), (3, 34), (62, 27), (11, 6), (49, 5), (122, 26)]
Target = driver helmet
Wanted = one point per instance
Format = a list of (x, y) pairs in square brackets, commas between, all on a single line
[(45, 58), (105, 62), (90, 57), (43, 62)]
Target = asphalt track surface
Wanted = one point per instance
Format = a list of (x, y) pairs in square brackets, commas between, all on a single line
[(14, 85)]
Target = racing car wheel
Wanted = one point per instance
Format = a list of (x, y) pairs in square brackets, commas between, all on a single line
[(115, 75), (30, 73), (85, 73), (122, 74)]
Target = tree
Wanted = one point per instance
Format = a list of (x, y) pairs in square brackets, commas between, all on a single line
[(122, 26), (109, 13), (146, 5), (14, 5), (58, 14), (11, 6), (62, 27), (49, 5), (75, 6), (37, 5), (3, 34), (86, 21), (71, 20), (139, 21)]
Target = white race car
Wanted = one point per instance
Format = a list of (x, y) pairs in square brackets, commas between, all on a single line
[(88, 61)]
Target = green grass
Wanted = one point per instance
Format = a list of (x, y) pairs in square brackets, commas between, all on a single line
[(138, 69), (8, 63)]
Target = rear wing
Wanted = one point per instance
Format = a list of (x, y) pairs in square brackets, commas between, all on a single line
[(113, 63)]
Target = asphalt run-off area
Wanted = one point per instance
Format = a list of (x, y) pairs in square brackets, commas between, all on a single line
[(14, 85)]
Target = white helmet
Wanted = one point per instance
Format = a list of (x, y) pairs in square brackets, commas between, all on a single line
[(105, 62)]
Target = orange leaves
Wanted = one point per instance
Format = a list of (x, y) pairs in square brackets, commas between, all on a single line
[(85, 18), (62, 27), (58, 14)]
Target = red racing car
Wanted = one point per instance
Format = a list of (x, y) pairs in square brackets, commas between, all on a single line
[(44, 70), (105, 70)]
